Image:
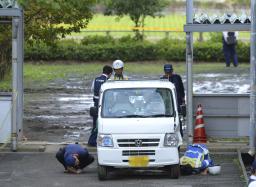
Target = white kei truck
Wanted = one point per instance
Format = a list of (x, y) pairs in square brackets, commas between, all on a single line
[(138, 127)]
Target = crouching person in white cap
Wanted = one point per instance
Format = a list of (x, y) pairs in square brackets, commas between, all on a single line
[(118, 67), (196, 159), (74, 158)]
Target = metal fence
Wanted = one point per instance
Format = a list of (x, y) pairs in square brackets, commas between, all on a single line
[(225, 115)]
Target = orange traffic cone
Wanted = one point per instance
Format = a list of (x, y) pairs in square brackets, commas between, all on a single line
[(199, 132)]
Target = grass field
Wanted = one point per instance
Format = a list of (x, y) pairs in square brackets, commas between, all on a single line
[(47, 72), (155, 28)]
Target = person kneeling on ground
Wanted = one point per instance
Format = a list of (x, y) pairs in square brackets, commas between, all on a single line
[(74, 158), (196, 160)]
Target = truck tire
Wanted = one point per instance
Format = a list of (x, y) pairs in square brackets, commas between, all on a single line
[(174, 171), (103, 172)]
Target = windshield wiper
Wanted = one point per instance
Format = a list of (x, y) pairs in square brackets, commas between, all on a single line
[(132, 116), (159, 115)]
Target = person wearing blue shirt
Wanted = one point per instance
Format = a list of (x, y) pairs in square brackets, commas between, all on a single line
[(96, 85), (177, 81), (229, 41), (74, 158)]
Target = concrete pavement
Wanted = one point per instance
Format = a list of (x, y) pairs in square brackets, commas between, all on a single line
[(34, 169)]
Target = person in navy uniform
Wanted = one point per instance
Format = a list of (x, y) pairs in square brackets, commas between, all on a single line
[(177, 81), (74, 158), (229, 40), (96, 85), (252, 179)]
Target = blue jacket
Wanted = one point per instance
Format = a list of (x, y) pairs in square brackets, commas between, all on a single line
[(96, 87), (74, 149), (177, 81)]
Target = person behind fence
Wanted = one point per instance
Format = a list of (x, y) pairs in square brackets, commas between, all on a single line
[(229, 40), (96, 85), (74, 158), (177, 81), (196, 160), (252, 179), (118, 66)]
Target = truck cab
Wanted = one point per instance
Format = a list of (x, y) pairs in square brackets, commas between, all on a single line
[(138, 127)]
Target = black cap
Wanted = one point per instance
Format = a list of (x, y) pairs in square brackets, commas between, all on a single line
[(168, 68)]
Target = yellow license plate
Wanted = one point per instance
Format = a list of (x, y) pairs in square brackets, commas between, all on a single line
[(138, 161)]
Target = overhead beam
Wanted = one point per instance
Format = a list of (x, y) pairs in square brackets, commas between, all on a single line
[(10, 12), (216, 27)]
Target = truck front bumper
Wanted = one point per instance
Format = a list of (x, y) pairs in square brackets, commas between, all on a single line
[(158, 157)]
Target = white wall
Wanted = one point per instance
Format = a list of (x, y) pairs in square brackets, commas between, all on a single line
[(5, 118)]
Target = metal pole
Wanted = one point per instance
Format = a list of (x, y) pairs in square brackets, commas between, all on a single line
[(253, 79), (15, 25), (189, 62), (20, 78)]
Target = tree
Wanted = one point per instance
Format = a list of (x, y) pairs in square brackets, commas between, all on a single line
[(137, 10), (48, 20)]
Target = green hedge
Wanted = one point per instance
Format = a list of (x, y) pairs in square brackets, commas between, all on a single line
[(102, 49)]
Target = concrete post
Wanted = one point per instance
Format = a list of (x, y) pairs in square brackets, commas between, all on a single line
[(189, 62), (253, 79)]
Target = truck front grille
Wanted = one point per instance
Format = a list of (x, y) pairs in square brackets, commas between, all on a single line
[(138, 152), (138, 142)]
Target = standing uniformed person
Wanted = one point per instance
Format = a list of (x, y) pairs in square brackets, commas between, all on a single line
[(229, 41), (177, 81), (118, 67), (96, 85)]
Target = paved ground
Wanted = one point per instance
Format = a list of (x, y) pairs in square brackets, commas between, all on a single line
[(42, 169)]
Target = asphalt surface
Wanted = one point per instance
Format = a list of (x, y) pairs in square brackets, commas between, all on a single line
[(42, 169)]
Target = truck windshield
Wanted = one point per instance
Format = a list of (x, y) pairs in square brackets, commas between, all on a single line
[(137, 103)]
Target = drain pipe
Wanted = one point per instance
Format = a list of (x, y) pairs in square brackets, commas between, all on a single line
[(253, 79)]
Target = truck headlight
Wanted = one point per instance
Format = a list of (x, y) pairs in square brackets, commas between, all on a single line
[(105, 140), (171, 140)]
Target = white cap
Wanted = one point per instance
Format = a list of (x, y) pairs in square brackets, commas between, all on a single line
[(117, 64), (214, 170)]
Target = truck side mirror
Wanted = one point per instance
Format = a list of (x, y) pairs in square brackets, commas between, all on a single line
[(94, 111), (183, 110)]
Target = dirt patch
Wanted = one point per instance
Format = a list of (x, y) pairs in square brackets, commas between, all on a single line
[(59, 110)]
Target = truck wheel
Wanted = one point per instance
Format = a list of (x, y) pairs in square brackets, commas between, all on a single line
[(102, 172), (175, 171)]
